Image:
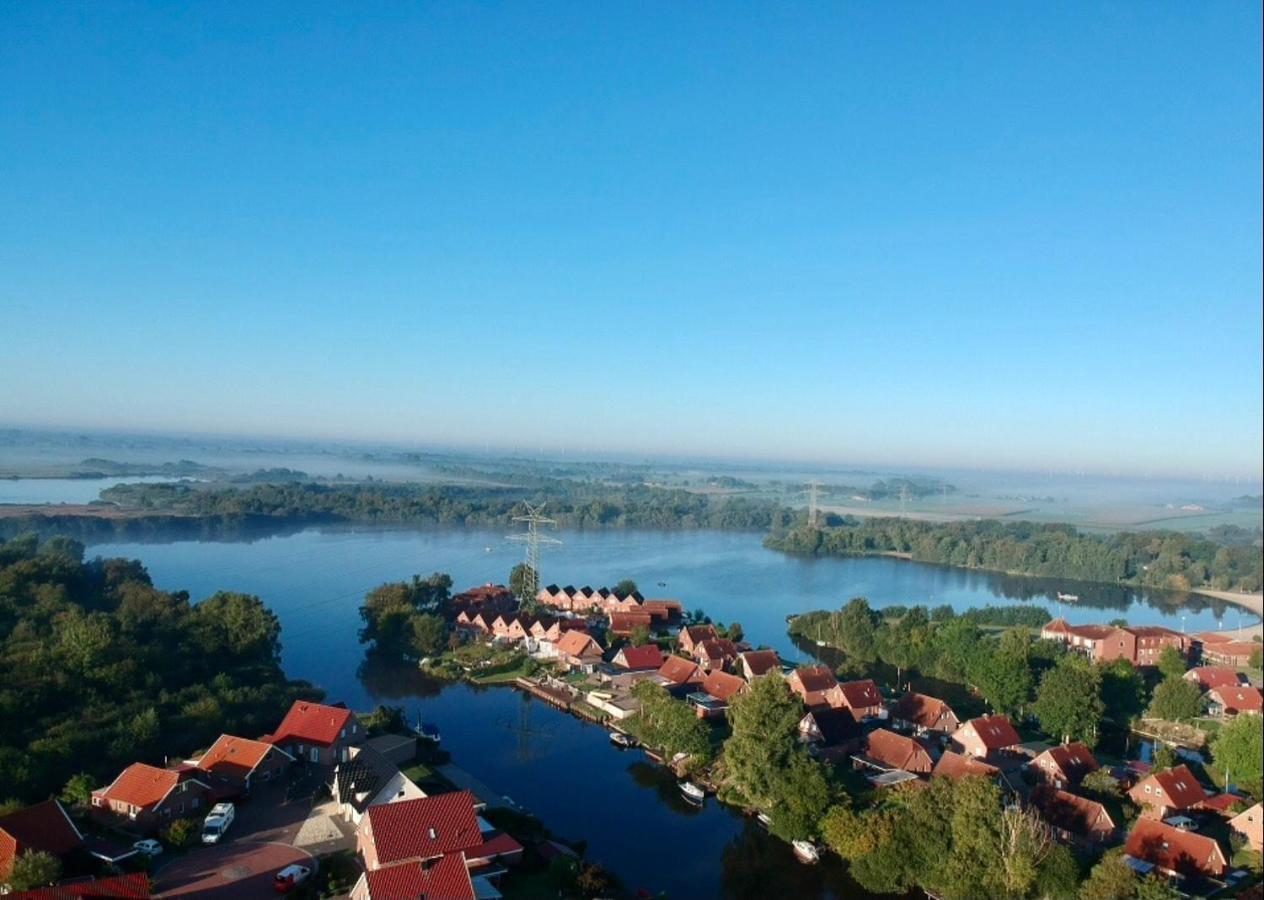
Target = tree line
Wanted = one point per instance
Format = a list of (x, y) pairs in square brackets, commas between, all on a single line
[(1162, 559)]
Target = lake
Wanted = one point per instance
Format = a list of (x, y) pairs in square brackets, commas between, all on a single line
[(564, 770), (66, 490)]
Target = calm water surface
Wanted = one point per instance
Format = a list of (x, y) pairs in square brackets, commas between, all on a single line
[(561, 769), (65, 490)]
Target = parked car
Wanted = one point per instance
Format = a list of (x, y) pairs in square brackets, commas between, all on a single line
[(289, 878), (217, 822), (149, 847)]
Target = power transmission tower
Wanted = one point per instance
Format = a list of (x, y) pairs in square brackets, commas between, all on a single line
[(533, 539), (904, 495), (813, 510)]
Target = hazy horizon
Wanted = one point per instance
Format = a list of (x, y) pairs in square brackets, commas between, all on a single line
[(1025, 240)]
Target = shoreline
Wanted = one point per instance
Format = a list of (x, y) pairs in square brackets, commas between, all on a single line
[(1253, 603)]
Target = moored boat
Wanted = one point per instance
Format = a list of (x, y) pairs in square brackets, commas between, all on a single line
[(619, 739), (806, 852), (692, 791), (764, 819)]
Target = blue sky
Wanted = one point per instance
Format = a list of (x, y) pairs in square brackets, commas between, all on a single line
[(844, 232)]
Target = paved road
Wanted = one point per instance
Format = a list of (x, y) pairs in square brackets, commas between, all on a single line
[(236, 869)]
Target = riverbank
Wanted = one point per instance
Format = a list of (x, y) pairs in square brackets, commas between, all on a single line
[(1251, 602)]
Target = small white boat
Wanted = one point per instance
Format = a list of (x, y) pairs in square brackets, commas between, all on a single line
[(619, 739), (764, 819), (692, 791), (806, 852), (1067, 598)]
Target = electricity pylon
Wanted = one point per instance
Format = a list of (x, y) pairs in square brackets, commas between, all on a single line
[(813, 511), (533, 539)]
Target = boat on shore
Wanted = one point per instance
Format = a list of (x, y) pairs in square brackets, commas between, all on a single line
[(764, 819), (619, 739), (693, 792), (427, 731), (806, 852)]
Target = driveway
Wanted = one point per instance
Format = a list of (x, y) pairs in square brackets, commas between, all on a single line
[(236, 869)]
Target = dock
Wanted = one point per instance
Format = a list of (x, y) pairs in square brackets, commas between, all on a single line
[(550, 695)]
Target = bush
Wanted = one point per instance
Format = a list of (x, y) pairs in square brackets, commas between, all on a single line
[(180, 833)]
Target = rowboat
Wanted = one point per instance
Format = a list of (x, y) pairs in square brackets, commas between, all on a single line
[(692, 791), (806, 852)]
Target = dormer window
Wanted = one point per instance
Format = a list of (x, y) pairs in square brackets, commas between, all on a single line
[(432, 834)]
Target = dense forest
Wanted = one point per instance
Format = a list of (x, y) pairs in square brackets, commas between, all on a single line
[(1164, 559), (99, 669)]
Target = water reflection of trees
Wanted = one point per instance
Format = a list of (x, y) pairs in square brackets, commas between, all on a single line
[(386, 678), (661, 780), (756, 865)]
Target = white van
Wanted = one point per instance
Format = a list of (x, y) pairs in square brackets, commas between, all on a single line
[(217, 822)]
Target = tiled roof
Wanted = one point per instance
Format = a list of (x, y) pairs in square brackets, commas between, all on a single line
[(1074, 759), (722, 685), (1181, 789), (995, 732), (835, 725), (816, 678), (698, 633), (44, 826), (897, 751), (920, 709), (1239, 699), (313, 723), (498, 845), (231, 755), (717, 649), (624, 622), (678, 670), (447, 879), (425, 827), (1208, 677), (360, 778), (859, 694), (140, 785), (646, 657), (761, 662), (954, 765), (575, 643), (135, 885), (1072, 813), (1173, 849)]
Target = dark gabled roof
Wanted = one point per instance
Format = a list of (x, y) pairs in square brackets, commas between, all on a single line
[(860, 694), (360, 778), (837, 726), (920, 709), (43, 826), (1070, 812)]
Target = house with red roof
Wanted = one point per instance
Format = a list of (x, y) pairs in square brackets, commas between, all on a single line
[(863, 699), (579, 650), (816, 685), (367, 779), (1174, 852), (955, 766), (1235, 700), (692, 635), (44, 827), (316, 733), (922, 714), (1208, 677), (1221, 650), (427, 828), (718, 690), (987, 738), (1075, 820), (133, 886), (447, 879), (664, 612), (885, 750), (1167, 793), (753, 663), (679, 673), (241, 762), (638, 659), (829, 733), (1064, 766), (1250, 824), (1141, 645), (624, 624), (717, 653), (145, 798)]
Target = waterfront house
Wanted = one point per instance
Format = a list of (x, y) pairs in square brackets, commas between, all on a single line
[(427, 828), (485, 596), (1232, 701), (815, 684), (638, 659), (718, 689), (664, 612), (242, 763), (44, 827), (1064, 766), (1167, 793), (717, 653), (885, 750), (316, 733), (511, 627), (1221, 650), (480, 621), (579, 650), (692, 635), (753, 663), (368, 779), (447, 878), (625, 624), (1174, 852), (679, 673), (1209, 677), (862, 698), (1250, 824), (955, 766), (829, 733), (922, 714), (1141, 645), (1075, 820), (987, 738), (144, 798)]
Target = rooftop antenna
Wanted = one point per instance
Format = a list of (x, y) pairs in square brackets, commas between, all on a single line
[(533, 539), (813, 509)]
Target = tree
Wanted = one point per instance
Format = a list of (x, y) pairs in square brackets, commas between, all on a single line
[(735, 632), (640, 636), (78, 790), (180, 833), (522, 580), (238, 625), (1111, 879), (34, 869), (1164, 758), (1025, 841), (1004, 675), (857, 628), (1122, 690), (802, 796), (1171, 664), (429, 635), (1068, 703), (1059, 875), (1100, 783), (1239, 749), (625, 587), (848, 833), (1176, 700), (1257, 659), (765, 724)]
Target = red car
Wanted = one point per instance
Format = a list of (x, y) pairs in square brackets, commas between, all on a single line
[(289, 878)]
